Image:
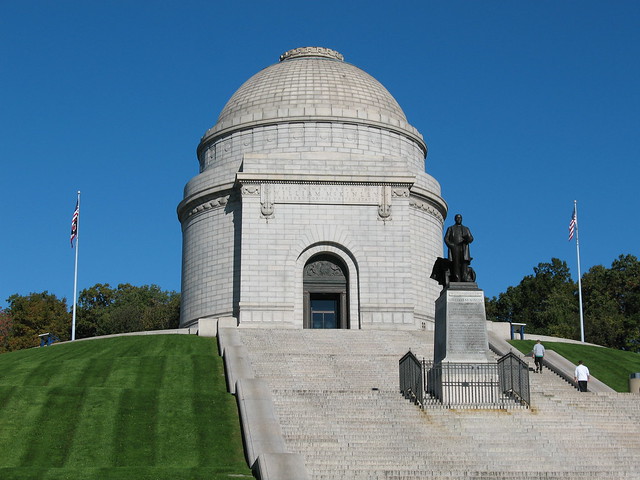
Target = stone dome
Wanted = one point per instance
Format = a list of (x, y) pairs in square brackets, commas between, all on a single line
[(311, 84)]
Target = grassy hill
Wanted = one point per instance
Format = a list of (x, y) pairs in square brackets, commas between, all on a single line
[(606, 364), (151, 407), (136, 407)]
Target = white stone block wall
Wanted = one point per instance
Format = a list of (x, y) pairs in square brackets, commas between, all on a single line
[(226, 154), (387, 261), (426, 244), (209, 264), (237, 262)]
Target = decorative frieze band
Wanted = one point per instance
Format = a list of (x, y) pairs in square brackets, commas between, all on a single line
[(426, 207), (195, 204), (270, 194), (209, 205), (323, 193)]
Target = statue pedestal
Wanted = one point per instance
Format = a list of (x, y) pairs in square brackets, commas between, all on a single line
[(461, 329), (464, 370)]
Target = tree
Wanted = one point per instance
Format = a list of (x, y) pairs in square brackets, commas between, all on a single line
[(92, 305), (612, 304), (6, 322), (104, 310), (546, 301), (34, 314)]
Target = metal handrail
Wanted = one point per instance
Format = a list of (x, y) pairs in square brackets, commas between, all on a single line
[(504, 384), (514, 377), (411, 378)]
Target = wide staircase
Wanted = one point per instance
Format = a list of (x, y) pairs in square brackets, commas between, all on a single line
[(337, 397)]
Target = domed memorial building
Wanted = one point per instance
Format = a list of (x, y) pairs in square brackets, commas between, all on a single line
[(312, 208)]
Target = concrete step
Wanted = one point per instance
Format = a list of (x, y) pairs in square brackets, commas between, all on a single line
[(337, 397)]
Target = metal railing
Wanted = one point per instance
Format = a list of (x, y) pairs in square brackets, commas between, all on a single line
[(464, 384), (504, 384), (411, 378), (514, 377)]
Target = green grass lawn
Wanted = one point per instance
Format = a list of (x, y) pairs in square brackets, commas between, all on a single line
[(139, 407), (607, 365)]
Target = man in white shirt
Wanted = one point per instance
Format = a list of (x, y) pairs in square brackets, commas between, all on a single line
[(582, 376), (538, 355)]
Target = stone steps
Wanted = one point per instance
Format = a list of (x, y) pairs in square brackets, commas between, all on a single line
[(323, 384), (357, 474)]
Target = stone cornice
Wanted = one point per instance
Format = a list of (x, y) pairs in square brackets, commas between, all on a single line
[(213, 197), (220, 195), (429, 202), (393, 180)]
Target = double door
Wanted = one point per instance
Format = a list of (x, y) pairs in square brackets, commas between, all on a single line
[(325, 293), (325, 310)]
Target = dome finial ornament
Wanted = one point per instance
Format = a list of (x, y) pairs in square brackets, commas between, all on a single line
[(311, 52)]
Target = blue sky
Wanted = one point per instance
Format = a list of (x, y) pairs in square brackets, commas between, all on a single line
[(525, 106)]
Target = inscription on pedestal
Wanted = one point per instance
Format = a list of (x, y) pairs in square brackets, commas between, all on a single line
[(461, 332), (469, 314)]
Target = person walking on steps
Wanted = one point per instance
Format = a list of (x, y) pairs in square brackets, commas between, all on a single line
[(582, 376), (538, 355)]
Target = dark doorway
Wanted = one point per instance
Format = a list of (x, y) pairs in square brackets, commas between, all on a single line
[(325, 311), (325, 293)]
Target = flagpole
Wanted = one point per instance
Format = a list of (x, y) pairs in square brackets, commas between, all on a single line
[(75, 274), (575, 211)]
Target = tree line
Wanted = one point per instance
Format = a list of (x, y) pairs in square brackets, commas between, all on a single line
[(548, 302), (100, 310)]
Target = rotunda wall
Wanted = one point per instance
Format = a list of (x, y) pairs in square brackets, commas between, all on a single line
[(225, 155), (426, 245), (210, 263)]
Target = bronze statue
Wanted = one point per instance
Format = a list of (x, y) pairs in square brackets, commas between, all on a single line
[(457, 239)]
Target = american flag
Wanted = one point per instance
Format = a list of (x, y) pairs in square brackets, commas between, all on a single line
[(572, 225), (74, 224)]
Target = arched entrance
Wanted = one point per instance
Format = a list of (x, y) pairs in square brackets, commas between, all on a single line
[(325, 282)]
